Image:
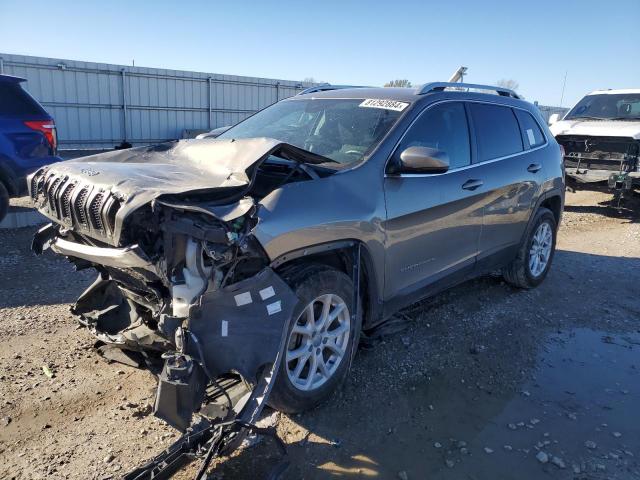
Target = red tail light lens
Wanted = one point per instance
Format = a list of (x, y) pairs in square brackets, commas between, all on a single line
[(48, 129)]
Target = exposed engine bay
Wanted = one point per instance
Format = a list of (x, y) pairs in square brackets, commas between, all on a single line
[(183, 286), (593, 159)]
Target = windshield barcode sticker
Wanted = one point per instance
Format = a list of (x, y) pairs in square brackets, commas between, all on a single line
[(385, 104)]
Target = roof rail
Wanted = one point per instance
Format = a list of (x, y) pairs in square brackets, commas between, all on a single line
[(440, 86), (326, 87)]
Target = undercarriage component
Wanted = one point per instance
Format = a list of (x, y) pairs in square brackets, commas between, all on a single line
[(181, 388), (211, 436)]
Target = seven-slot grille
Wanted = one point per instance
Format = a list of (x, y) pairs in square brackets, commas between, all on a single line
[(74, 203)]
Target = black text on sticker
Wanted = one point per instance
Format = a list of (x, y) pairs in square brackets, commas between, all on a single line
[(385, 104)]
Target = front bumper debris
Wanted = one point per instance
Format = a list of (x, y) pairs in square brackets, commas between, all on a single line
[(220, 354)]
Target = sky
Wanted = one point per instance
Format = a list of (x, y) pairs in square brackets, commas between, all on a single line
[(535, 43)]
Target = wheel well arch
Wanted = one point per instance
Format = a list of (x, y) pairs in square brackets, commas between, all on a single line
[(341, 255), (553, 203)]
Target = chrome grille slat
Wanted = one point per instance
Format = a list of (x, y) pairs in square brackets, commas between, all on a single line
[(77, 204), (79, 207), (65, 200), (95, 212)]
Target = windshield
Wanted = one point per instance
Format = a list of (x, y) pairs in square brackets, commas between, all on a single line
[(618, 106), (342, 130)]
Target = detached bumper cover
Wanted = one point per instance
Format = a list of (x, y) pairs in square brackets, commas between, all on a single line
[(241, 327)]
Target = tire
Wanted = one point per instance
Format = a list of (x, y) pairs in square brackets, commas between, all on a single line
[(317, 285), (519, 273), (4, 201)]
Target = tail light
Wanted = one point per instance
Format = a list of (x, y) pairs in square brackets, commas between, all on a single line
[(562, 151), (48, 129)]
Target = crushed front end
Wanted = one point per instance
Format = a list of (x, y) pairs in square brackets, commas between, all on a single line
[(183, 287), (601, 159)]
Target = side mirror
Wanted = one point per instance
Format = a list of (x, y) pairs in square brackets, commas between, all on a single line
[(553, 118), (422, 160)]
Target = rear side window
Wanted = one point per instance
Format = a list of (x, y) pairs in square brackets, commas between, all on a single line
[(497, 131), (443, 127), (15, 101), (531, 133)]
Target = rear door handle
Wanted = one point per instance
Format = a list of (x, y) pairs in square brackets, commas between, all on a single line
[(534, 168), (472, 184)]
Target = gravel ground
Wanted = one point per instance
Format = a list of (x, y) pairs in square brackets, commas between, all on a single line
[(484, 382)]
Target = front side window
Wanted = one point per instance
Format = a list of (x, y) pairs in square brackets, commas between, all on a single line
[(343, 130), (614, 106), (497, 131), (443, 127)]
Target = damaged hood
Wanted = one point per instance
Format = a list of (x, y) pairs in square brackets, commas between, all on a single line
[(139, 175), (111, 185), (597, 128)]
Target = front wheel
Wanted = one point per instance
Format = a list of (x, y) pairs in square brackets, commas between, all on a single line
[(531, 265), (321, 340)]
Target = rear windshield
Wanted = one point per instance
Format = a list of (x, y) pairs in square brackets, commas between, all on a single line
[(15, 101), (343, 130)]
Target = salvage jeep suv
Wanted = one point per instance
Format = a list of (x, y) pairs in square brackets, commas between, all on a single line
[(253, 260)]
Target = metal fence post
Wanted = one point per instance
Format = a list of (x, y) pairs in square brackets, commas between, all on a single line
[(124, 103), (1, 66), (277, 92), (210, 102)]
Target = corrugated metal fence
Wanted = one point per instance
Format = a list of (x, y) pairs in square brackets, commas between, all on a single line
[(546, 111), (98, 105)]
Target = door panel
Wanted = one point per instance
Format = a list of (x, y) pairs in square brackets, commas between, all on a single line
[(510, 191), (432, 229), (511, 182), (433, 224)]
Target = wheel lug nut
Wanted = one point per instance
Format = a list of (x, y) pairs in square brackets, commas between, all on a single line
[(324, 340)]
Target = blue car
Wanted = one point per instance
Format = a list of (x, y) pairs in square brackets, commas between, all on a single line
[(28, 139)]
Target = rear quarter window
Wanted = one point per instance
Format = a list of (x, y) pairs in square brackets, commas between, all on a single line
[(497, 131), (14, 101), (531, 133)]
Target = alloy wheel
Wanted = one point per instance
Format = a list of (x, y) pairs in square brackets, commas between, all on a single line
[(540, 249), (318, 342)]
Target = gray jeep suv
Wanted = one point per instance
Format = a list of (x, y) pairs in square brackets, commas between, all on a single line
[(250, 262)]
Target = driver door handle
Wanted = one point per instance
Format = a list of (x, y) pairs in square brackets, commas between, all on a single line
[(472, 184), (534, 168)]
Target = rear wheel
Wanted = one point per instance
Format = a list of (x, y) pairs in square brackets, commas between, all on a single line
[(321, 341), (4, 201), (535, 255)]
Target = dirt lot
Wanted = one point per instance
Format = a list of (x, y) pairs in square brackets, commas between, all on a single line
[(485, 382)]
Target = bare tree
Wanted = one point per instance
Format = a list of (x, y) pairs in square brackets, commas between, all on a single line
[(509, 83), (312, 80), (398, 83)]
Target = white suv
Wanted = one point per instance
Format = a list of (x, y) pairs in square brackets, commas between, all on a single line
[(601, 138)]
